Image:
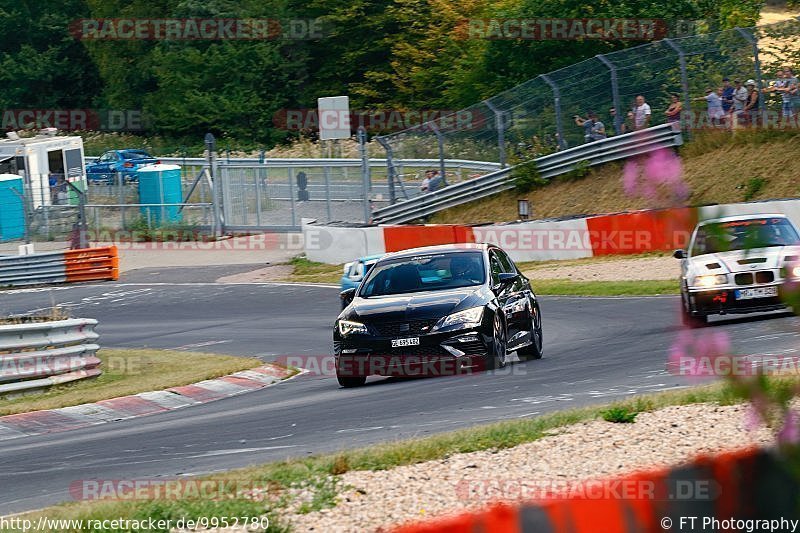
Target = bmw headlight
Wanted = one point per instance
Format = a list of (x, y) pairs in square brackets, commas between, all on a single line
[(710, 280), (466, 318), (348, 327)]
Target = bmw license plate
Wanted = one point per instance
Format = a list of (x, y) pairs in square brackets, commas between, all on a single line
[(758, 292), (412, 341)]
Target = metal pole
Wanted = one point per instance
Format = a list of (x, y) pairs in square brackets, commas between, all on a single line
[(212, 173), (390, 170), (121, 199), (687, 99), (440, 142), (258, 177), (614, 92), (562, 142), (501, 132), (82, 224), (365, 177), (291, 193), (757, 64), (326, 173)]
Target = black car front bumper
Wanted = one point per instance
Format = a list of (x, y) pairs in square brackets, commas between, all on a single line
[(437, 354)]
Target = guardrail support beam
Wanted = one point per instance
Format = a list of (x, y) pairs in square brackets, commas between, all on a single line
[(499, 121), (614, 92), (562, 143), (687, 99), (749, 37)]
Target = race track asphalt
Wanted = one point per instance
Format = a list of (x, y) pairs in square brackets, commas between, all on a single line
[(596, 350)]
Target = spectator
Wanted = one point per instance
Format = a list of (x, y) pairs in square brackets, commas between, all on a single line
[(740, 95), (437, 181), (714, 101), (751, 107), (613, 122), (593, 129), (426, 182), (674, 110), (641, 114), (792, 90), (727, 95), (778, 85)]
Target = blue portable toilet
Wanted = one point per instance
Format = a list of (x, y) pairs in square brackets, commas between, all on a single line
[(12, 209), (160, 184)]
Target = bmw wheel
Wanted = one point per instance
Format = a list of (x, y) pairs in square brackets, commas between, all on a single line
[(688, 318)]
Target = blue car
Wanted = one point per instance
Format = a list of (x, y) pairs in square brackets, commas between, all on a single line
[(355, 271), (122, 162)]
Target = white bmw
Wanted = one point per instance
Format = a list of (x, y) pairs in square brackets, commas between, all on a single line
[(738, 264)]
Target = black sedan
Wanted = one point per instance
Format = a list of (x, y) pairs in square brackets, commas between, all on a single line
[(436, 310)]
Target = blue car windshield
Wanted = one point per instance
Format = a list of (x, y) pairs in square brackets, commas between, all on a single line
[(136, 155), (744, 234), (427, 272)]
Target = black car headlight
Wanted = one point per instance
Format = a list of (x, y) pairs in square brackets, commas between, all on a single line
[(467, 318), (348, 327)]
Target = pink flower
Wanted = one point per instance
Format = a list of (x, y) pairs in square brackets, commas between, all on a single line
[(790, 432)]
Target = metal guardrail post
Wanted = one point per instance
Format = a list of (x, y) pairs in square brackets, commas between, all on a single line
[(757, 64), (562, 143), (614, 92), (390, 170), (501, 127), (687, 98), (365, 177), (215, 188)]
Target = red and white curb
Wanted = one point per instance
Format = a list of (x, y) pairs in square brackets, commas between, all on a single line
[(142, 404)]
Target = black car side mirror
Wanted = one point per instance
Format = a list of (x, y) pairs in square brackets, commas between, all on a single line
[(504, 280), (679, 254), (347, 296)]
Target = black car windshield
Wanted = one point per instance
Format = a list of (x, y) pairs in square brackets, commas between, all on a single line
[(744, 234), (136, 155), (426, 272)]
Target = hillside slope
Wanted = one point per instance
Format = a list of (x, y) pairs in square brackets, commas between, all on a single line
[(717, 167)]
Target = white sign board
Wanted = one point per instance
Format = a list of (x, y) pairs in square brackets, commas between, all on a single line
[(334, 117)]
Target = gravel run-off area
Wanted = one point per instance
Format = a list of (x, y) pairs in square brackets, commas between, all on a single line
[(377, 501)]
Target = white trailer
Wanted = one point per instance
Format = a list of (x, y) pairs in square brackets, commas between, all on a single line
[(47, 163)]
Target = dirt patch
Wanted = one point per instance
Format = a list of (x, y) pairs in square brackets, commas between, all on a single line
[(636, 269)]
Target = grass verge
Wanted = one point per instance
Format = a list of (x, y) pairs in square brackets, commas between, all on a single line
[(316, 476), (561, 287), (128, 372), (312, 272)]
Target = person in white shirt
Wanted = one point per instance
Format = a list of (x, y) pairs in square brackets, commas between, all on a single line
[(740, 96), (641, 114)]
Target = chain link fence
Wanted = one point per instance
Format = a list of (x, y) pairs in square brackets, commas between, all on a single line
[(538, 116)]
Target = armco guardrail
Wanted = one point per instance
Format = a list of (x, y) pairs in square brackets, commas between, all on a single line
[(89, 264), (595, 153), (37, 355), (323, 162)]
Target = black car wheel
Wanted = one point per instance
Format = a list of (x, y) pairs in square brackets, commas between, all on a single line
[(534, 349), (688, 318), (497, 358), (350, 382)]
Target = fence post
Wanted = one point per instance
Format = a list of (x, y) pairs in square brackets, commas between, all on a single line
[(687, 99), (440, 142), (562, 143), (501, 134), (215, 188), (614, 92), (365, 177), (326, 172), (757, 64), (390, 170), (291, 175)]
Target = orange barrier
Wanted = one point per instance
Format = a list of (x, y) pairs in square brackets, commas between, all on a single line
[(746, 484), (398, 238), (92, 264), (643, 231)]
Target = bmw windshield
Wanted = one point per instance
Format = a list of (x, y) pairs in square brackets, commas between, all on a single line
[(430, 272), (744, 234)]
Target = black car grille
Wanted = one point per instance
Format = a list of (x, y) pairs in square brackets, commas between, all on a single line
[(475, 347), (762, 276), (405, 329), (418, 351)]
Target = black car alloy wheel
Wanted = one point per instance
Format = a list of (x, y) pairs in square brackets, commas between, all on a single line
[(499, 343)]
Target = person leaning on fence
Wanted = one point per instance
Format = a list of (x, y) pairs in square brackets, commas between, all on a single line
[(674, 110), (740, 95), (714, 100), (593, 129), (437, 181), (727, 95), (641, 114), (792, 90), (426, 182), (750, 114)]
